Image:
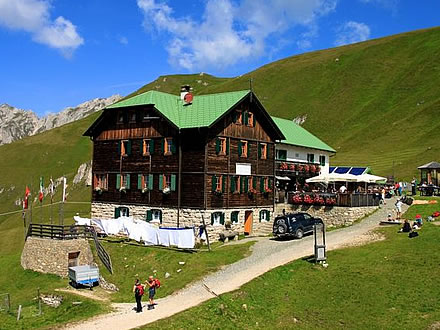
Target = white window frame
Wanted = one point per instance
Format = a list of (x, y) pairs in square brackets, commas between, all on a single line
[(264, 216), (217, 216), (155, 216)]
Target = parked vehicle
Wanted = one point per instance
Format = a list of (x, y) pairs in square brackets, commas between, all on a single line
[(294, 225)]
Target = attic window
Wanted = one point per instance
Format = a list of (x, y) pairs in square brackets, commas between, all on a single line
[(238, 117), (250, 120), (120, 117), (132, 116)]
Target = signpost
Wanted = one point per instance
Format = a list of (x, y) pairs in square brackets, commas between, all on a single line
[(320, 246)]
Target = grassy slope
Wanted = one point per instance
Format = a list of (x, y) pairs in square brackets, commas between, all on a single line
[(390, 284)]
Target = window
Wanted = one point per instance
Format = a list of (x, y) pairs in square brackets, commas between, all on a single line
[(244, 184), (121, 212), (243, 148), (123, 181), (322, 160), (147, 147), (311, 158), (154, 216), (221, 146), (124, 148), (250, 120), (238, 117), (168, 146), (234, 216), (266, 184), (263, 151), (281, 154), (167, 182), (132, 116), (251, 184), (235, 187), (100, 182), (217, 219), (145, 182), (218, 183), (264, 215), (120, 118), (297, 155)]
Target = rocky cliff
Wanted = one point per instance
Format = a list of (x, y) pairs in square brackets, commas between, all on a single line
[(17, 123)]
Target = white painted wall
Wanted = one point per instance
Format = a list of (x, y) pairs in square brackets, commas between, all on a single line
[(299, 154)]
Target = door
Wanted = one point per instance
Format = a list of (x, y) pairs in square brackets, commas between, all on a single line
[(248, 221), (308, 223)]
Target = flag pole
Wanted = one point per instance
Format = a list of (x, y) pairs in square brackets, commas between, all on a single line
[(30, 210), (51, 189)]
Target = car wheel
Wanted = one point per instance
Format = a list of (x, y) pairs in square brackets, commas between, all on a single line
[(299, 233), (282, 229)]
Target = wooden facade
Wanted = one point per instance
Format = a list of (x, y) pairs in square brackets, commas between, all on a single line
[(196, 161)]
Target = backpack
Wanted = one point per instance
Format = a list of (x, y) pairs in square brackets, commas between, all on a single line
[(157, 283), (139, 291)]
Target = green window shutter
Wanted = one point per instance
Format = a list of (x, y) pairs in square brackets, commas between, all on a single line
[(160, 216), (173, 146), (232, 184), (150, 181), (119, 147), (268, 215), (160, 182), (117, 212), (254, 183), (246, 184), (139, 181), (128, 181), (128, 151), (253, 120), (212, 218), (259, 150), (261, 215), (149, 216), (222, 218), (235, 116), (245, 117), (241, 184), (270, 183), (217, 146), (225, 178), (162, 146), (151, 146), (227, 146), (141, 146), (214, 183), (239, 148), (118, 181), (248, 149), (173, 182), (262, 184)]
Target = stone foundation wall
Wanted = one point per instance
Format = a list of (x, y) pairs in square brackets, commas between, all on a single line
[(191, 217), (50, 256), (332, 216)]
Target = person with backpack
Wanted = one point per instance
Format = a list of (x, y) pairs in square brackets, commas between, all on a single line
[(152, 285), (138, 290)]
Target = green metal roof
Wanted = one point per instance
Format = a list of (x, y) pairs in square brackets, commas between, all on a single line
[(298, 136), (202, 112)]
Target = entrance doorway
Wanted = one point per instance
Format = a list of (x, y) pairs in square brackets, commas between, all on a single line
[(73, 259), (248, 221)]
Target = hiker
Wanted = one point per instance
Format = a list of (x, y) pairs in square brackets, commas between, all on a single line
[(383, 196), (151, 291), (398, 209), (406, 228), (138, 290), (413, 186)]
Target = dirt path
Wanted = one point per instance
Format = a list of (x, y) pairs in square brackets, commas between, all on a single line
[(266, 255)]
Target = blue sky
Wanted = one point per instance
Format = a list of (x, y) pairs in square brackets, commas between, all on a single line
[(59, 53)]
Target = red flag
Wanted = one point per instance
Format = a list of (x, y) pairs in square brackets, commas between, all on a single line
[(27, 192), (41, 194)]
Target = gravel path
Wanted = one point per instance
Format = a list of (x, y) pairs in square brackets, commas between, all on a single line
[(266, 255)]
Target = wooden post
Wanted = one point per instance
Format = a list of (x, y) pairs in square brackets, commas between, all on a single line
[(19, 313), (39, 301), (206, 233)]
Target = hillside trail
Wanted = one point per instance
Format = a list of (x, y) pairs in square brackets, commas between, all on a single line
[(266, 254)]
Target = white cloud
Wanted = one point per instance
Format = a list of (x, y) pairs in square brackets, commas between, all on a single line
[(230, 32), (123, 40), (352, 32), (33, 16)]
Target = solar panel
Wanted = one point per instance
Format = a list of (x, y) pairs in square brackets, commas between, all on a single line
[(357, 170), (342, 170), (331, 169)]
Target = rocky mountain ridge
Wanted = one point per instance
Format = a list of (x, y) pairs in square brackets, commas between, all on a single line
[(17, 123)]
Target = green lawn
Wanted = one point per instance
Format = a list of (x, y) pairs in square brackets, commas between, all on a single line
[(134, 261), (390, 284)]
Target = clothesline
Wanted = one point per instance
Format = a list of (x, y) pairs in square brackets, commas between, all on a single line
[(143, 231)]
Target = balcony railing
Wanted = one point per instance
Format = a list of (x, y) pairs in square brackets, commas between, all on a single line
[(329, 199), (296, 168)]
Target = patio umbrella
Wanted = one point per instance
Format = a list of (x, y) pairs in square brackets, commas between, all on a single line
[(370, 178)]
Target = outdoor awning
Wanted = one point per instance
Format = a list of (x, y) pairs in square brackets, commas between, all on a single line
[(370, 178), (333, 177), (285, 178)]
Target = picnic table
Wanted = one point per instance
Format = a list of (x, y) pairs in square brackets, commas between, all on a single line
[(429, 190)]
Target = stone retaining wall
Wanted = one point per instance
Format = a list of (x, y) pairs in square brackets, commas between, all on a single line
[(50, 256), (333, 216), (190, 217)]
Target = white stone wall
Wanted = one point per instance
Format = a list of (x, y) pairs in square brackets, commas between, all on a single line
[(190, 217)]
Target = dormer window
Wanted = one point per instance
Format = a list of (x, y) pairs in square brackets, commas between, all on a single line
[(132, 116), (120, 118)]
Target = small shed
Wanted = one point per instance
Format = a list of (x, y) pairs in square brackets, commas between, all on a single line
[(430, 173)]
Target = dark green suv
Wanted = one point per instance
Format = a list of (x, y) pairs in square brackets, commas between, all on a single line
[(294, 225)]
